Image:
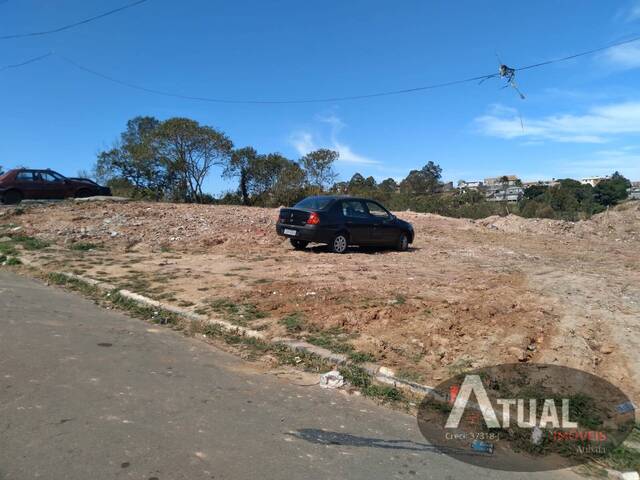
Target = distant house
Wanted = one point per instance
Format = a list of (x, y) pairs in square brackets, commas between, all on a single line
[(634, 191), (593, 181), (505, 194), (542, 183), (473, 185), (501, 181)]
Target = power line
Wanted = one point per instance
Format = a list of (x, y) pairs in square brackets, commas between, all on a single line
[(272, 102), (478, 78), (72, 25), (26, 62), (581, 54)]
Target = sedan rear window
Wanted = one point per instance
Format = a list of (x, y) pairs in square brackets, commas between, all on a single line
[(313, 203)]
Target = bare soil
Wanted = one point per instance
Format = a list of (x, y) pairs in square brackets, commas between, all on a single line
[(467, 294)]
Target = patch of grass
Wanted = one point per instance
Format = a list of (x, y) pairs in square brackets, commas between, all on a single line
[(238, 313), (409, 375), (12, 261), (336, 341), (30, 243), (7, 248), (74, 284), (459, 366), (83, 246), (361, 357), (359, 378), (294, 322), (155, 315)]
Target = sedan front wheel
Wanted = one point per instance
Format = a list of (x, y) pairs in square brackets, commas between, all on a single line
[(403, 242)]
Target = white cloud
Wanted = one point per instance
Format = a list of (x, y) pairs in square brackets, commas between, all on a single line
[(605, 162), (600, 124), (623, 56), (349, 156), (304, 142)]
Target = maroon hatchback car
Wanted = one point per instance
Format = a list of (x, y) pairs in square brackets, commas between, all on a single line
[(22, 184)]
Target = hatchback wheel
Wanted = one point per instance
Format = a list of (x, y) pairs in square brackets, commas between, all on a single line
[(84, 193), (340, 243), (12, 197), (299, 244), (403, 242)]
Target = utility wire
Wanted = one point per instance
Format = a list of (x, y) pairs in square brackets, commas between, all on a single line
[(581, 54), (26, 62), (479, 78), (72, 25), (315, 100)]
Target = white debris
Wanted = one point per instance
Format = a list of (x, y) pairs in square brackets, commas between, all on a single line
[(536, 435), (624, 475), (331, 379)]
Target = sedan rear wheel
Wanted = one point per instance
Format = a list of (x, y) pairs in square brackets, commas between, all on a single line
[(340, 243), (403, 242), (299, 244)]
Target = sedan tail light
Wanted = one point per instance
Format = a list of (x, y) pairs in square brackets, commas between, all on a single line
[(314, 219)]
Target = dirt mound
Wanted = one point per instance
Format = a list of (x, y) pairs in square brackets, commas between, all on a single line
[(155, 225), (621, 223)]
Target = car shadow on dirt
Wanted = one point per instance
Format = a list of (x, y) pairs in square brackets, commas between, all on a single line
[(363, 250)]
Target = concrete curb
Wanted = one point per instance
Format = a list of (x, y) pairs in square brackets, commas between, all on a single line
[(379, 373)]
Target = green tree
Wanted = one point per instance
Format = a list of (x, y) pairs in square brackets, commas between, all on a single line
[(534, 191), (612, 191), (318, 168), (425, 180), (190, 150), (135, 160), (388, 186), (239, 165), (361, 186)]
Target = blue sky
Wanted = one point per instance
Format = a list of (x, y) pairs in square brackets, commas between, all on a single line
[(580, 117)]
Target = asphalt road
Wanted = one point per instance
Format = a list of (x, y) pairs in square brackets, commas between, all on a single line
[(87, 393)]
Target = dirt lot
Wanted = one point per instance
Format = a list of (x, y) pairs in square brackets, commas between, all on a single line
[(469, 293)]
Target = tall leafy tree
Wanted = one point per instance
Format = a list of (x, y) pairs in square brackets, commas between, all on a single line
[(190, 150), (318, 167), (612, 191), (134, 159), (239, 165), (425, 180)]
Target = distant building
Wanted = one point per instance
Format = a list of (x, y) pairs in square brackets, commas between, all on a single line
[(593, 181), (542, 183), (506, 194), (501, 181), (634, 191), (473, 185)]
